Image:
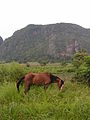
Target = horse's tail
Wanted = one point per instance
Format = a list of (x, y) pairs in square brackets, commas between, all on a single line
[(18, 82)]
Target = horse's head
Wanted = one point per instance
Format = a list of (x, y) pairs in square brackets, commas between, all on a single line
[(60, 83)]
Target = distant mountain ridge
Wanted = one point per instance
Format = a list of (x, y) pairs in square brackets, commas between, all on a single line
[(52, 42)]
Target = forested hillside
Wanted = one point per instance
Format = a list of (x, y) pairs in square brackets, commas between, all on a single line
[(53, 42)]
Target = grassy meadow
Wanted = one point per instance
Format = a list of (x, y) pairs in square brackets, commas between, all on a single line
[(72, 103)]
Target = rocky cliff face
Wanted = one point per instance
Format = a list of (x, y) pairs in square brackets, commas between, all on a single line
[(53, 42), (1, 40)]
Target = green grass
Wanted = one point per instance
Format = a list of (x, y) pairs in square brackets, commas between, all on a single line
[(72, 103)]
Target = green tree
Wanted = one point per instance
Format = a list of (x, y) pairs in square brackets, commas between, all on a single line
[(81, 62), (78, 58)]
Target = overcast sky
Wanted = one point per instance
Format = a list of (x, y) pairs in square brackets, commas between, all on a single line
[(16, 14)]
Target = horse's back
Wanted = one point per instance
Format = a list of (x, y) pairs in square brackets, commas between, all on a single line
[(41, 78)]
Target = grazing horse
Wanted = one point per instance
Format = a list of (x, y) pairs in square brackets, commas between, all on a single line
[(44, 79)]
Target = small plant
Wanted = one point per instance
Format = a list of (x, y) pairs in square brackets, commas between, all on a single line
[(43, 62), (27, 64)]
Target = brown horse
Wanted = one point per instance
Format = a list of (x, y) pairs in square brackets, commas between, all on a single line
[(44, 79)]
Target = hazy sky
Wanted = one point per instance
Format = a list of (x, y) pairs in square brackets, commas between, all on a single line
[(16, 14)]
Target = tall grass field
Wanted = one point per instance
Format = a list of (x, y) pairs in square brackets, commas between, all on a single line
[(72, 103)]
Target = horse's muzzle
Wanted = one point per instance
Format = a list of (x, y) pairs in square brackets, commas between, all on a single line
[(61, 87)]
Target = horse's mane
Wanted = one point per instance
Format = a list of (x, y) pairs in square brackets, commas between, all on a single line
[(53, 78)]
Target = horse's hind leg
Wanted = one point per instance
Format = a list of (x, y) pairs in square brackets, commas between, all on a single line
[(46, 86)]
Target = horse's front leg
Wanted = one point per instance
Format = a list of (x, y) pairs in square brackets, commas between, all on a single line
[(59, 85), (46, 86)]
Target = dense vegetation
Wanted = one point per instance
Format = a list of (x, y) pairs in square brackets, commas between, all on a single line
[(72, 103), (45, 42), (81, 63)]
